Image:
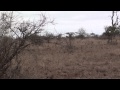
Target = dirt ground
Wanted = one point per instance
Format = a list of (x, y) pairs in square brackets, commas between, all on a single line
[(88, 59)]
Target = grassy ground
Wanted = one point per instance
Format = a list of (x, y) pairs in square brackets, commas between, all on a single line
[(89, 59)]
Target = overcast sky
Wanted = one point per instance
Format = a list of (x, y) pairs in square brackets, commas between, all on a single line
[(71, 21)]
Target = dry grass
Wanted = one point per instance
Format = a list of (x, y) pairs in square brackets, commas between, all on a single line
[(90, 59)]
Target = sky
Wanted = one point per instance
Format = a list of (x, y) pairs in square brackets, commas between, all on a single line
[(72, 21)]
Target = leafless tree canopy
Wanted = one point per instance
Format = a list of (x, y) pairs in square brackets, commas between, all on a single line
[(112, 31), (13, 37)]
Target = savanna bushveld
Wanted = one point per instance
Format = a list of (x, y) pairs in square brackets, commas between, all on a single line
[(26, 54)]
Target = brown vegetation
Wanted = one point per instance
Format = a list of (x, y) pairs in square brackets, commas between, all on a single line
[(24, 53), (89, 59)]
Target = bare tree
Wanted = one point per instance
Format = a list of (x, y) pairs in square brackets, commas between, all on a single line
[(81, 33), (59, 37), (69, 42), (111, 31), (48, 36), (13, 38)]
